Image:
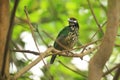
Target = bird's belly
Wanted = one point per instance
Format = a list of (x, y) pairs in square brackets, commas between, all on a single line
[(71, 40)]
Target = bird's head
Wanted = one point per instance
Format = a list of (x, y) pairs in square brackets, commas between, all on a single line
[(73, 22)]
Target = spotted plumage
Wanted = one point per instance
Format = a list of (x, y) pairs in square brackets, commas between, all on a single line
[(67, 37)]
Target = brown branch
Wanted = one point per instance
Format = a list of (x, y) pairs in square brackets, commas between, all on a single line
[(46, 54), (104, 52), (84, 46), (27, 51), (61, 53), (26, 68), (8, 38)]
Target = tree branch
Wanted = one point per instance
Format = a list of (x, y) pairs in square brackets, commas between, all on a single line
[(26, 68), (46, 54), (61, 53), (8, 37), (27, 51), (98, 61)]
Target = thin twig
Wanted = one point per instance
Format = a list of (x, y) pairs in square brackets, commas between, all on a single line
[(98, 30), (31, 27), (48, 35), (94, 16), (117, 74), (37, 30), (72, 69), (18, 48), (117, 45), (103, 7), (27, 51), (94, 35), (26, 12), (90, 43), (109, 71)]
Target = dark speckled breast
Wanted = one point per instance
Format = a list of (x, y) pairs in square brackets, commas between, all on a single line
[(72, 37)]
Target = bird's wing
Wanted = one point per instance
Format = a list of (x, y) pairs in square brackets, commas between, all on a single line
[(64, 32), (61, 38)]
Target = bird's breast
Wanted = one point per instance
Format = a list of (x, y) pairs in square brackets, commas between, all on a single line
[(72, 38)]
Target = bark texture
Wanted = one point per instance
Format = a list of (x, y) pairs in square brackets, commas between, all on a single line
[(4, 24), (103, 54)]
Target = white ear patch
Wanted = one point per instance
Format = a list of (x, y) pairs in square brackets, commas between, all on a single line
[(71, 20), (75, 21)]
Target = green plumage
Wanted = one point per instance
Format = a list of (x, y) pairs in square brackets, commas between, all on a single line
[(67, 37)]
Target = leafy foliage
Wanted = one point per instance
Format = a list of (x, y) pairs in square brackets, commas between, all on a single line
[(51, 16)]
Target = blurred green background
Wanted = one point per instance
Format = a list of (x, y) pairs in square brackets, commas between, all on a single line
[(51, 16)]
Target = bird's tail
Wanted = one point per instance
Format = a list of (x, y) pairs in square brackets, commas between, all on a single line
[(53, 59)]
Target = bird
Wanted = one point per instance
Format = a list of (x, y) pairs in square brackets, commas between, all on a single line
[(67, 37)]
